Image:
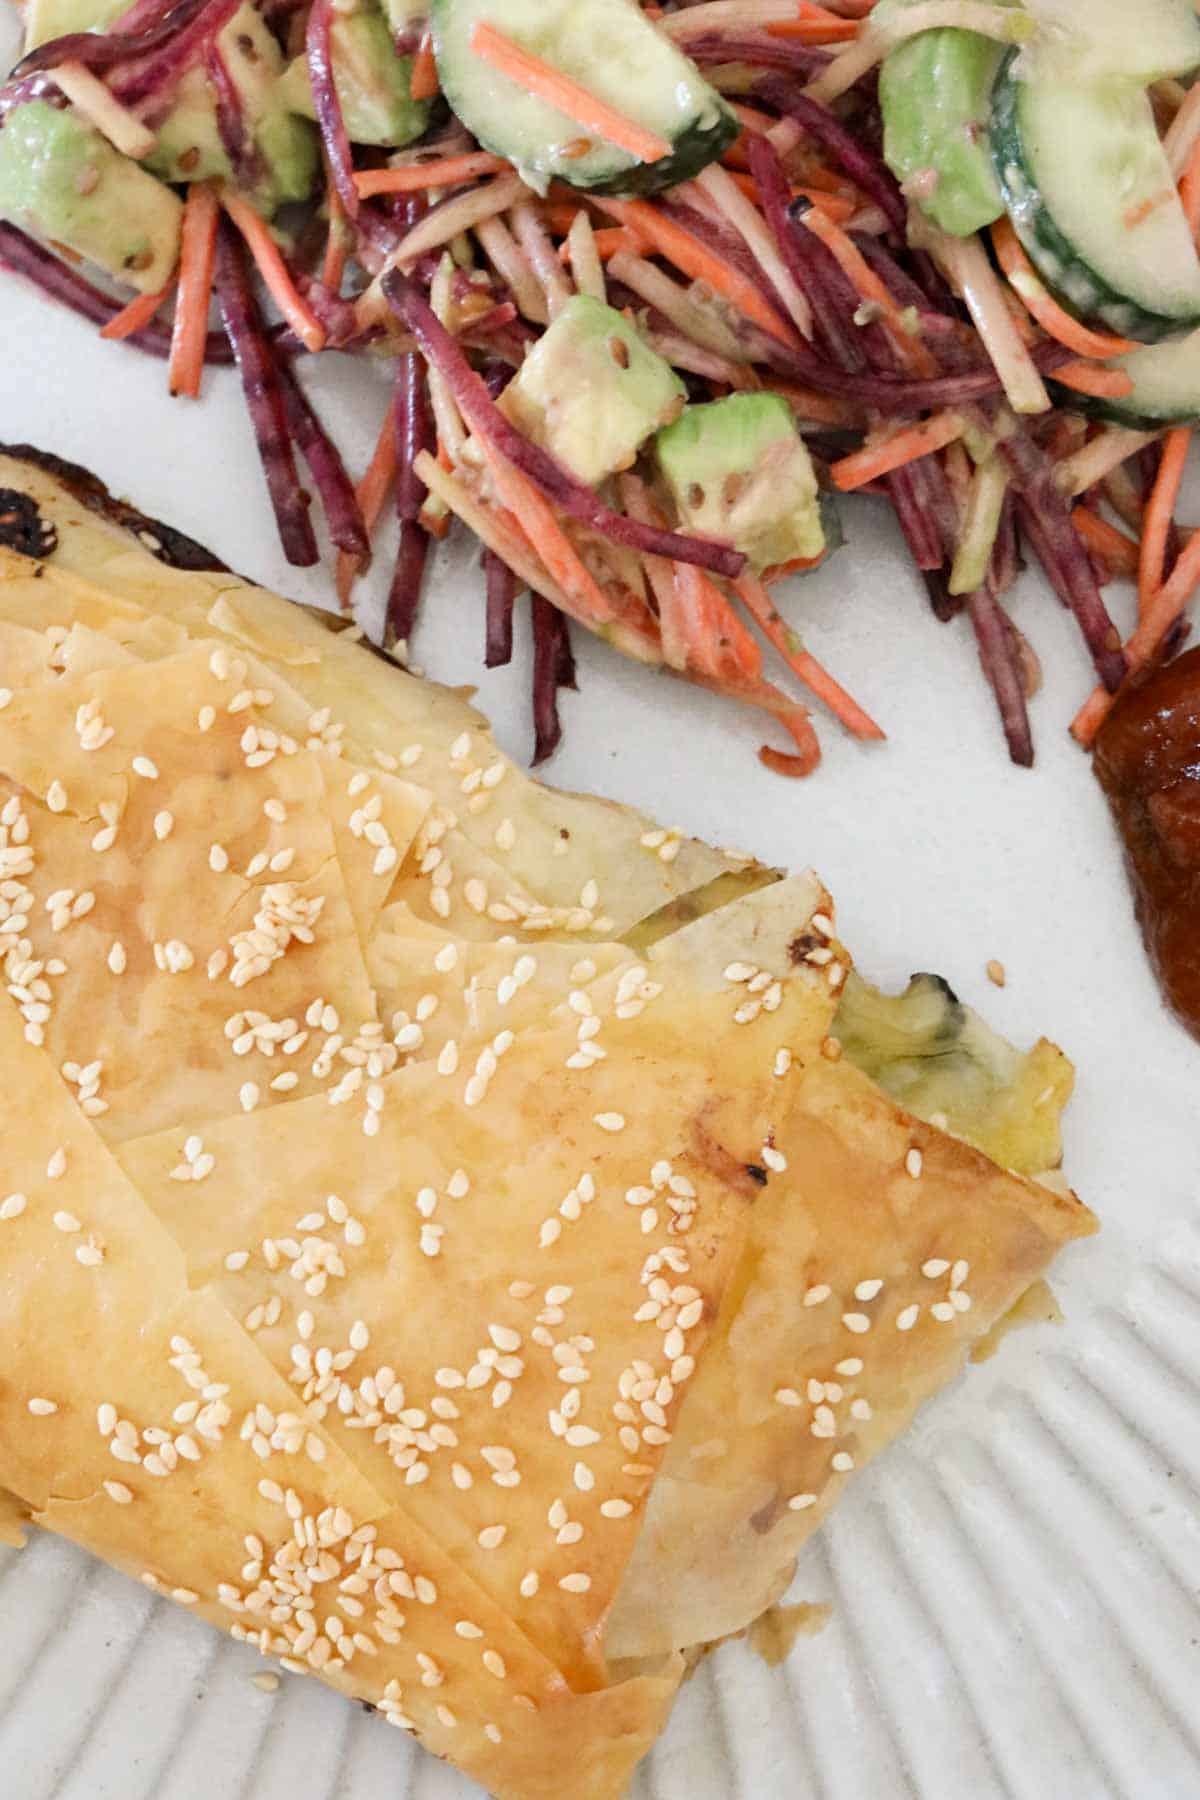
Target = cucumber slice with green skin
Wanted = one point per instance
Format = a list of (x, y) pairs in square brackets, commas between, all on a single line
[(1166, 388), (935, 91), (610, 48), (1129, 40), (1087, 186)]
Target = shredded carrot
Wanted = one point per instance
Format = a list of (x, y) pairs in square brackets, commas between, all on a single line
[(770, 621), (610, 241), (816, 31), (696, 260), (423, 82), (550, 542), (895, 451), (822, 409), (274, 272), (1046, 310), (1159, 512), (447, 171), (1120, 552), (136, 313), (867, 283), (1147, 640), (1094, 378), (718, 644), (569, 96), (1189, 188), (371, 493), (197, 253)]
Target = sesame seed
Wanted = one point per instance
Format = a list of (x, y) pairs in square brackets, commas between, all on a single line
[(857, 1322), (610, 1121), (774, 1159), (42, 1409), (852, 1365), (908, 1318), (942, 1311), (13, 1206), (801, 1502), (787, 1396), (164, 825), (843, 1462), (218, 859), (65, 1221), (492, 1536), (116, 1490), (934, 1268), (577, 1583), (267, 1682), (56, 797), (867, 1290), (817, 1295), (959, 1273), (143, 766), (913, 1163), (996, 973)]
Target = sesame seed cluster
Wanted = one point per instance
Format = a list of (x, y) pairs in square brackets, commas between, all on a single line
[(406, 1168)]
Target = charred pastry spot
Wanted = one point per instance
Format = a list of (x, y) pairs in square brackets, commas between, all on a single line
[(22, 527), (757, 1173), (802, 946)]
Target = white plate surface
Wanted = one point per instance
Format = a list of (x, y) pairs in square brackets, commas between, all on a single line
[(1015, 1587)]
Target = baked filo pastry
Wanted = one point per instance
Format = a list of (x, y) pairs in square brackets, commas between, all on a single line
[(458, 1238)]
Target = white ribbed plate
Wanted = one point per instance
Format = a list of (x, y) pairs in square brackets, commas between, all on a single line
[(1015, 1586)]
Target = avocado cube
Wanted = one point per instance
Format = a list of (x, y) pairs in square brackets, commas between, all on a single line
[(738, 469), (591, 391), (373, 84), (60, 179), (189, 145)]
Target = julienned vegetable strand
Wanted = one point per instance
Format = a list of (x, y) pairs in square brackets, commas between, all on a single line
[(264, 398)]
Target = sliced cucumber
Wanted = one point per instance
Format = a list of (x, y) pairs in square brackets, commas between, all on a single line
[(610, 48), (1166, 387), (1088, 188), (1132, 40)]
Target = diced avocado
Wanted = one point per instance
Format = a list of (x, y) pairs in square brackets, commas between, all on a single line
[(373, 83), (46, 19), (189, 146), (592, 391), (935, 91), (739, 470), (61, 180)]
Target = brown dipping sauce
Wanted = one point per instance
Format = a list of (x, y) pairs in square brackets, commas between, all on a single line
[(1148, 763)]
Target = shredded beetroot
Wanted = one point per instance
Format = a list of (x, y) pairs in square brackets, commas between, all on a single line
[(867, 171), (552, 658), (414, 433), (150, 81), (502, 590), (347, 528), (22, 256), (756, 47), (1000, 659), (137, 33), (264, 398), (327, 104), (245, 158), (1046, 521), (481, 413)]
